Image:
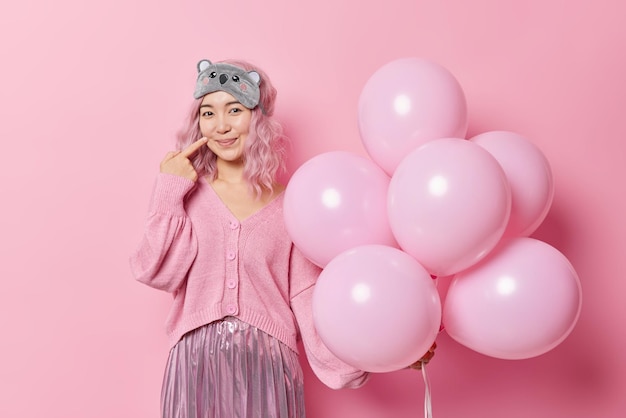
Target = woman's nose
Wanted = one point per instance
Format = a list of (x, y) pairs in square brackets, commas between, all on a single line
[(222, 125)]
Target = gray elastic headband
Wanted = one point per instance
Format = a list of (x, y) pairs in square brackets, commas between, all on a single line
[(242, 84)]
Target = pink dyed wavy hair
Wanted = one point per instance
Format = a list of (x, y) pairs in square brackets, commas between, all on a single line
[(265, 145)]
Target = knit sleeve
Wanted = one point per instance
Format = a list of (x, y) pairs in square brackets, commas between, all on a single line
[(168, 247), (333, 372)]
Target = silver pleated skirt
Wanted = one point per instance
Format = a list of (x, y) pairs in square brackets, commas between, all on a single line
[(230, 369)]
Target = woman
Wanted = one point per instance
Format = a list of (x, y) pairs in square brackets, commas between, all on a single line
[(215, 239)]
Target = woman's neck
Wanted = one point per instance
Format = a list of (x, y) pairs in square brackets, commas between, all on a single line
[(230, 172)]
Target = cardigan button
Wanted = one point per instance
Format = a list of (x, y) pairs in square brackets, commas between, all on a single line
[(232, 284), (231, 309), (234, 224), (231, 255)]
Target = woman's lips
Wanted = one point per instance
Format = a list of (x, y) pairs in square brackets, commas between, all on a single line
[(226, 142)]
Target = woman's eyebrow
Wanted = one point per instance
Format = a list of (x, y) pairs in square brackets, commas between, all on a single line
[(234, 102)]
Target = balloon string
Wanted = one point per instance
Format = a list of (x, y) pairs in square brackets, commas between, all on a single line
[(428, 410)]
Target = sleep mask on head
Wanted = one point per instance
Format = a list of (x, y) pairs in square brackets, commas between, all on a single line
[(241, 84)]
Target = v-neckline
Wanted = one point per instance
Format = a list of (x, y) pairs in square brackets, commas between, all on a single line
[(230, 213)]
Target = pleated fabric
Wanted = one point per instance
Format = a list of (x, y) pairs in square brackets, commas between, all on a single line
[(230, 369)]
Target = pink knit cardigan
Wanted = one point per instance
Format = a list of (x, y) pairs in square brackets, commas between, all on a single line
[(216, 265)]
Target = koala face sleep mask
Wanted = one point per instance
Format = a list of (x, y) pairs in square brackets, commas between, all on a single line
[(241, 84)]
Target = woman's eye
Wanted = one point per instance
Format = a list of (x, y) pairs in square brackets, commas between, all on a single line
[(235, 110), (206, 114)]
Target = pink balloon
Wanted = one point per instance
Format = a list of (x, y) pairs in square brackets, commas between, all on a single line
[(449, 204), (376, 308), (520, 302), (529, 174), (336, 201), (404, 104)]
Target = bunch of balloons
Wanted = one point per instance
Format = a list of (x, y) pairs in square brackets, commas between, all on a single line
[(430, 203)]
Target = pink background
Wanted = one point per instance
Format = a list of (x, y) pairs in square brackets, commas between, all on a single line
[(91, 93)]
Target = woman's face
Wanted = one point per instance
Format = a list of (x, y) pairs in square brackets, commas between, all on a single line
[(225, 123)]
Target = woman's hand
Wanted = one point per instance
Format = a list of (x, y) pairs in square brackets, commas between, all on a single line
[(425, 358), (178, 163)]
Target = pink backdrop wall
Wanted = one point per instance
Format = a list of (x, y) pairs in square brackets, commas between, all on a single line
[(91, 93)]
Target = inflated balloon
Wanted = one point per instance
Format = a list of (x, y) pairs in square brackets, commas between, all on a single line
[(336, 201), (519, 302), (405, 103), (449, 203), (376, 308), (529, 174)]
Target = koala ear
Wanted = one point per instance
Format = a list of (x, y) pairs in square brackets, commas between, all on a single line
[(203, 65), (255, 77)]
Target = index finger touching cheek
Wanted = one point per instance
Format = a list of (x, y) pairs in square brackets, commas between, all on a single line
[(191, 149)]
